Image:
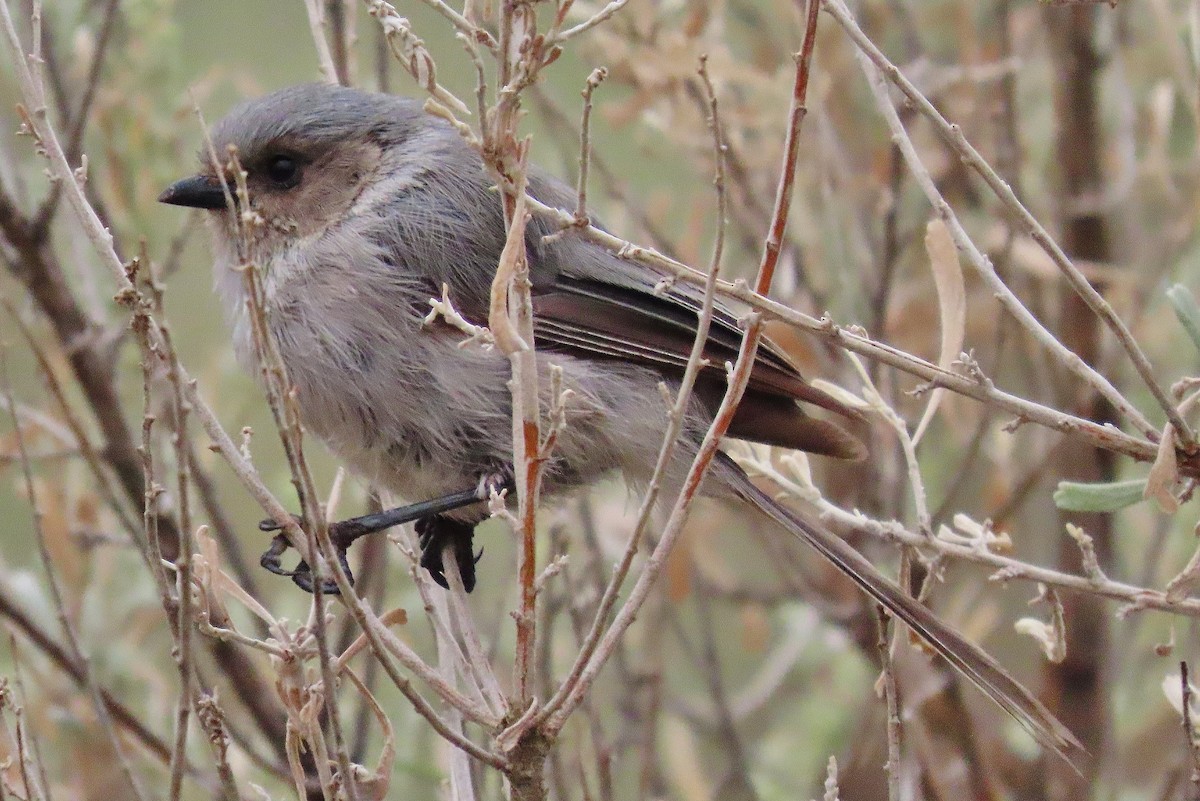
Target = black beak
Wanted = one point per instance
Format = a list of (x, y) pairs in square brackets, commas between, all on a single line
[(197, 192)]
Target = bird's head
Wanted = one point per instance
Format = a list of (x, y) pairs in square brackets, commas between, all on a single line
[(307, 152)]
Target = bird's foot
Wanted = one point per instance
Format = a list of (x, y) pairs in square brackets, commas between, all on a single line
[(435, 530), (342, 534), (435, 534)]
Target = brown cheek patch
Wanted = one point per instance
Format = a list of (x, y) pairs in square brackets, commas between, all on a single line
[(330, 186)]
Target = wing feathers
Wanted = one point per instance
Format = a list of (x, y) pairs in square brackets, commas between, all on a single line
[(593, 319), (648, 327)]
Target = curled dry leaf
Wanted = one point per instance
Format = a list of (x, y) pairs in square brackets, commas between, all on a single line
[(206, 564), (215, 584), (1052, 636), (952, 307), (1163, 474)]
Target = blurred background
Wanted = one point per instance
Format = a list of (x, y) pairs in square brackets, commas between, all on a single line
[(754, 663)]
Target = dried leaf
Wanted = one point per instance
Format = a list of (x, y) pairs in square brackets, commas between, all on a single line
[(1052, 636), (952, 307), (1163, 474)]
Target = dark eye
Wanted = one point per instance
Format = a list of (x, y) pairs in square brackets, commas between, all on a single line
[(283, 171)]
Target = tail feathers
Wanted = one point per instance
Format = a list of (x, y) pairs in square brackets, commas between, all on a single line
[(964, 656)]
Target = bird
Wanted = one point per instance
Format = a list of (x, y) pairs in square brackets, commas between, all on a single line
[(363, 207)]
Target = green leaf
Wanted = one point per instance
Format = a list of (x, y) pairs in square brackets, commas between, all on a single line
[(1186, 310), (1076, 497)]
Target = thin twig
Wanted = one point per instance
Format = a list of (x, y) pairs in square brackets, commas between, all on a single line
[(78, 122), (315, 9), (463, 24), (102, 240), (475, 658), (585, 145), (341, 21), (1189, 727), (888, 681), (452, 661), (373, 628), (983, 266), (211, 718), (598, 18), (441, 623), (95, 378), (42, 787), (281, 398), (412, 54), (218, 518), (514, 336), (183, 561)]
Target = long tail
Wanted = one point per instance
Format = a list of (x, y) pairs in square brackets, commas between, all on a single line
[(967, 658)]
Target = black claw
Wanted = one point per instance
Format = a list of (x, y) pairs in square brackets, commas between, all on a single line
[(271, 558), (434, 534), (302, 577)]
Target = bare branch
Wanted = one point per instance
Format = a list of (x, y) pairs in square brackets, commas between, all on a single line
[(953, 135)]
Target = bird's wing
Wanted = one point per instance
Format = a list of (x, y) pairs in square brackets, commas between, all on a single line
[(591, 318)]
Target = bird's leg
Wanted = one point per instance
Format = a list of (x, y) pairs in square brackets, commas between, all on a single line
[(440, 529)]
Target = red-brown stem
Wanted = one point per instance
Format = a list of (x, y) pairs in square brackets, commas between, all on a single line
[(783, 191), (528, 569), (511, 321)]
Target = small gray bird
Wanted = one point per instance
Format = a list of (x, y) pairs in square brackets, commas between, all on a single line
[(366, 207)]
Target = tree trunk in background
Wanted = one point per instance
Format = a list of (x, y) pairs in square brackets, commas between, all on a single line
[(1077, 689)]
